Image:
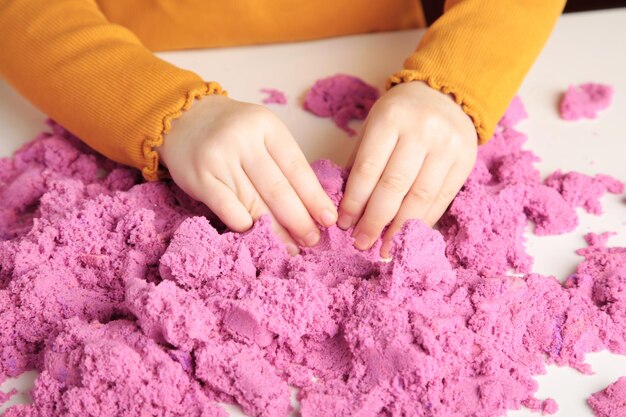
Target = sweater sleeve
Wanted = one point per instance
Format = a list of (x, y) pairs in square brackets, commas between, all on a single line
[(94, 77), (479, 52)]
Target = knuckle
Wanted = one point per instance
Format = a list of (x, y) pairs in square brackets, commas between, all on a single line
[(278, 189), (434, 120), (352, 204), (444, 197), (365, 168), (453, 144), (259, 113), (393, 111), (296, 168), (393, 183), (419, 194)]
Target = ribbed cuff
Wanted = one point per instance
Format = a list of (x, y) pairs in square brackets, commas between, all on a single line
[(470, 106)]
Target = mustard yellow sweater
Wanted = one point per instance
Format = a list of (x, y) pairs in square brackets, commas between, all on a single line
[(89, 64)]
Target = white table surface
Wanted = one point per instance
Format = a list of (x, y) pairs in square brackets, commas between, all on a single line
[(588, 46)]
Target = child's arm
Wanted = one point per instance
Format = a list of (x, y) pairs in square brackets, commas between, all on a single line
[(94, 77), (418, 145), (479, 51), (101, 83)]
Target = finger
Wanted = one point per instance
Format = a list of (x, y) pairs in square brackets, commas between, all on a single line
[(261, 209), (395, 182), (420, 197), (378, 143), (289, 157), (225, 204), (355, 149), (451, 186), (282, 200), (257, 208)]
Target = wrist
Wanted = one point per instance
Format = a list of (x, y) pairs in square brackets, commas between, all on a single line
[(440, 103)]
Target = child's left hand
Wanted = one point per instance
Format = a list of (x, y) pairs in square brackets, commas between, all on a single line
[(417, 149)]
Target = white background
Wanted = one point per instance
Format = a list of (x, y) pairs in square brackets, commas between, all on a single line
[(585, 47)]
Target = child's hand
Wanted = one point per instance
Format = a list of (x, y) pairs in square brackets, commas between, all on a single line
[(417, 149), (242, 162)]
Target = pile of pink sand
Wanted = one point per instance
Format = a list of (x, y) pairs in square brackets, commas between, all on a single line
[(341, 97), (273, 96), (130, 298), (585, 101), (611, 401)]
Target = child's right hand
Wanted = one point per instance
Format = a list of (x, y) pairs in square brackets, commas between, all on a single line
[(242, 162)]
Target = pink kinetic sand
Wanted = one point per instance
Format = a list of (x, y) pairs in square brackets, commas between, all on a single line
[(130, 298), (274, 96), (585, 100), (598, 239), (341, 97), (546, 407), (6, 396), (611, 401)]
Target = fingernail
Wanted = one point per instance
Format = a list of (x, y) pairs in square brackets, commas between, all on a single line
[(312, 238), (328, 218), (362, 241), (345, 221), (292, 249), (385, 249)]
